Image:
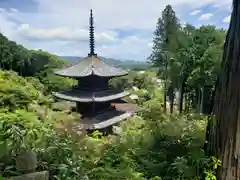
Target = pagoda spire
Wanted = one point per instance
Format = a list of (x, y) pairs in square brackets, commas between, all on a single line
[(91, 35)]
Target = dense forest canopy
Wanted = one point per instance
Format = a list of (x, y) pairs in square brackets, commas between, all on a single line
[(188, 59), (164, 140)]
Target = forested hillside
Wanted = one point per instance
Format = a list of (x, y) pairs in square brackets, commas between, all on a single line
[(32, 63), (165, 140)]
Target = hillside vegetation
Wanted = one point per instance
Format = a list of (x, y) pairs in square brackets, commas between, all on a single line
[(162, 141), (32, 121)]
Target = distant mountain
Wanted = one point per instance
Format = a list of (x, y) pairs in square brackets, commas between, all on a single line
[(127, 64)]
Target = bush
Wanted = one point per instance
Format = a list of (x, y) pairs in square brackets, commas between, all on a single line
[(15, 91), (167, 146)]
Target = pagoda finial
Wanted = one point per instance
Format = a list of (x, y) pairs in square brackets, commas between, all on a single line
[(91, 35)]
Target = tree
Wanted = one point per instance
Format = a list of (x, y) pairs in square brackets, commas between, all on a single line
[(185, 58), (165, 44), (199, 60), (225, 140)]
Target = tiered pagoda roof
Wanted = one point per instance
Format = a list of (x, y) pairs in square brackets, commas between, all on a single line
[(93, 93), (91, 65)]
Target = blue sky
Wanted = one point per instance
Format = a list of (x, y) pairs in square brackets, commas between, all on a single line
[(123, 28)]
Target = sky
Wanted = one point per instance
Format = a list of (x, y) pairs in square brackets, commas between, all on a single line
[(123, 28)]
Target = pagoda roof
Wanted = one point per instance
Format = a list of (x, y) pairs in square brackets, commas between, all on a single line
[(103, 120), (76, 95), (91, 65)]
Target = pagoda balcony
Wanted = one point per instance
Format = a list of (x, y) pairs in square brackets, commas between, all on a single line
[(77, 95)]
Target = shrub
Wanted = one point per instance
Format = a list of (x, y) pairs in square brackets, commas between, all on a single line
[(15, 91)]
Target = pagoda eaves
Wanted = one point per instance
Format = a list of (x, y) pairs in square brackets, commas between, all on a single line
[(105, 120), (91, 65), (86, 96)]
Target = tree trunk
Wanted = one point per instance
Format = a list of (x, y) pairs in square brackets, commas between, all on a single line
[(206, 98), (202, 99), (182, 89), (171, 102), (194, 99), (226, 139), (171, 97), (198, 100), (208, 133), (165, 97), (190, 102), (186, 102), (165, 86)]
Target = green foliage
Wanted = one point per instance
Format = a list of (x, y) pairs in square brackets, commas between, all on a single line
[(15, 91), (56, 83), (19, 130), (141, 80), (38, 63), (188, 58), (43, 66), (146, 149), (211, 165), (145, 153), (166, 39)]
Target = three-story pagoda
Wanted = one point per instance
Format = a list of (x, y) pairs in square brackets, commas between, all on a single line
[(93, 95)]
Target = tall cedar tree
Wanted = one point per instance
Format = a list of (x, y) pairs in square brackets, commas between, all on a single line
[(225, 141), (165, 43)]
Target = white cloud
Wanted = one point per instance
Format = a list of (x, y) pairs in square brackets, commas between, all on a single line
[(60, 26), (14, 10), (7, 27), (2, 10), (132, 46), (206, 16), (150, 44), (67, 34), (227, 19), (195, 12), (120, 14)]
